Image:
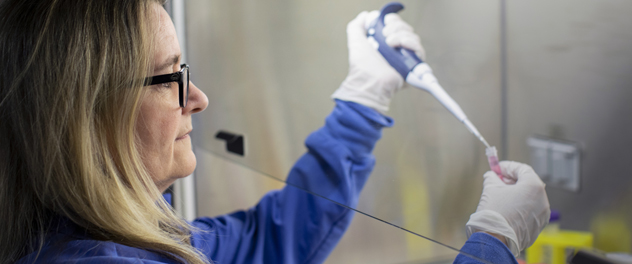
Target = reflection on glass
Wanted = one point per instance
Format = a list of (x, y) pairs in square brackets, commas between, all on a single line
[(269, 78), (269, 70)]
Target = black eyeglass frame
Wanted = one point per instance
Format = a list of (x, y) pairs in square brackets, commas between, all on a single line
[(174, 77)]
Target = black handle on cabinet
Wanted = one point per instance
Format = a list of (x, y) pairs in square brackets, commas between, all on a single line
[(234, 142)]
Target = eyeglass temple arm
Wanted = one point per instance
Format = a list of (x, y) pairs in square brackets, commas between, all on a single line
[(165, 78)]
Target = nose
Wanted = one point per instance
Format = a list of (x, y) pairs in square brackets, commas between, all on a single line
[(197, 100)]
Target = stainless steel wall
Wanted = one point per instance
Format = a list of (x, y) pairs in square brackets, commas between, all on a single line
[(269, 67), (569, 66)]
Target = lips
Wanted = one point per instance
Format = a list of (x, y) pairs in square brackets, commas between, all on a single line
[(186, 135)]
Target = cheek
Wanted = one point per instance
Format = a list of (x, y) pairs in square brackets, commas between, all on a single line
[(157, 129)]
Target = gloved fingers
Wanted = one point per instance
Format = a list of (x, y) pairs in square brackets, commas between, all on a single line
[(370, 18), (407, 40), (491, 179), (394, 23), (356, 33), (523, 173), (404, 39), (398, 33)]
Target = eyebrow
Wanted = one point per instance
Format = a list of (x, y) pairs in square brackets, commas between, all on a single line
[(174, 59)]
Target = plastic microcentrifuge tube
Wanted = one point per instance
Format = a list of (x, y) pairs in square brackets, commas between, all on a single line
[(492, 158)]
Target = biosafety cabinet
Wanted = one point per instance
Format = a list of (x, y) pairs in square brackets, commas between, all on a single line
[(529, 74)]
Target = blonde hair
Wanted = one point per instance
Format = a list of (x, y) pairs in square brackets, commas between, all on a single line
[(72, 78)]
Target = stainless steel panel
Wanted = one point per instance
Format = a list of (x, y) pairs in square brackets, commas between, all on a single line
[(570, 77), (269, 68)]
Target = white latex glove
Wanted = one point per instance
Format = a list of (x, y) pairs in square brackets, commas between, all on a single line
[(371, 80), (518, 211)]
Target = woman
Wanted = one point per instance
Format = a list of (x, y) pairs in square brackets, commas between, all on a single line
[(88, 148), (96, 112), (80, 138)]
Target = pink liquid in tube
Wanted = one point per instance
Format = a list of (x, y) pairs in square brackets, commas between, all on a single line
[(492, 158)]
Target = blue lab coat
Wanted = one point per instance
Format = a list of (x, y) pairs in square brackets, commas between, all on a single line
[(286, 226)]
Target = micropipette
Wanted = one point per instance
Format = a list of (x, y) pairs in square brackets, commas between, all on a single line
[(415, 71), (419, 74)]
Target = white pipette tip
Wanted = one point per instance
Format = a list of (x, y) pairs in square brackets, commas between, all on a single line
[(474, 131), (482, 139)]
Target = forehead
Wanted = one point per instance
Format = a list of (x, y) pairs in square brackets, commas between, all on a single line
[(166, 40)]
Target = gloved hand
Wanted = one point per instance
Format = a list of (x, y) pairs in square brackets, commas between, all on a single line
[(371, 80), (518, 211)]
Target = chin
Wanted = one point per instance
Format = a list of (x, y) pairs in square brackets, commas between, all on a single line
[(182, 171), (186, 166), (181, 165)]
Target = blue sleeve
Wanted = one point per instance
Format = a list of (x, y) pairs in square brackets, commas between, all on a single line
[(485, 247), (64, 248), (290, 225)]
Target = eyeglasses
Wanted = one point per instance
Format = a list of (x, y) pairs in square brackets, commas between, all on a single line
[(182, 77)]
